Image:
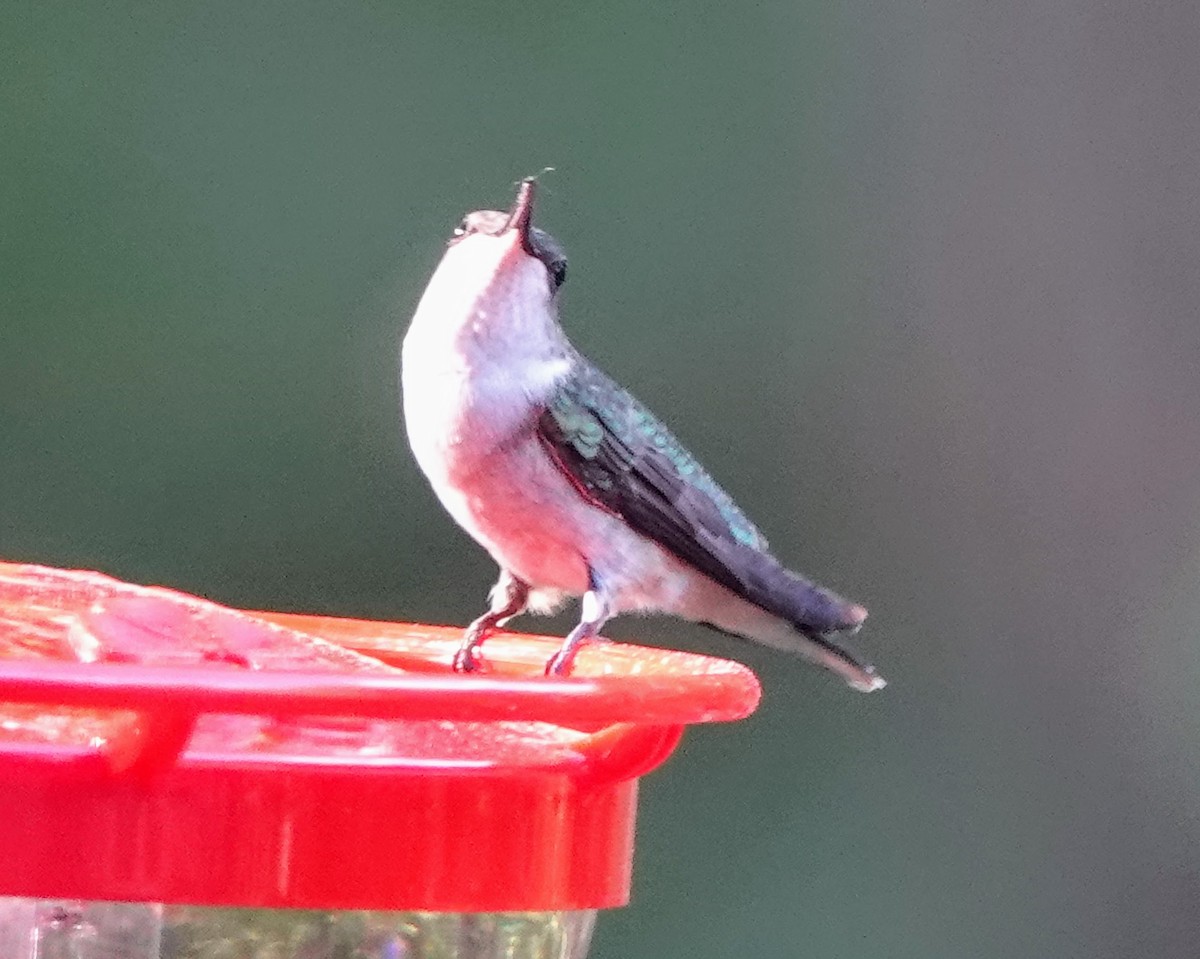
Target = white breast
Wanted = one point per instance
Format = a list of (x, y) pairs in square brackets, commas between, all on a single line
[(483, 350), (483, 354)]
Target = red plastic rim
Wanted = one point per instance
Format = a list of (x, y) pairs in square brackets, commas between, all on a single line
[(155, 746)]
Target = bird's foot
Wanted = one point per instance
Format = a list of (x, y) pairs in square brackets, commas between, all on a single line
[(596, 611), (468, 658), (561, 662), (559, 665)]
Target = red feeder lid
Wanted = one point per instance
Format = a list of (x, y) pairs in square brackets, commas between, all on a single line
[(158, 747)]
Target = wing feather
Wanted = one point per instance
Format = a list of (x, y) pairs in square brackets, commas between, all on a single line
[(624, 460)]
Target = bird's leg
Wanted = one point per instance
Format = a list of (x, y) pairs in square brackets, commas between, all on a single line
[(509, 597), (596, 612)]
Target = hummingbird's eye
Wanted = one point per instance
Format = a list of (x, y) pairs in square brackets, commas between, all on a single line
[(548, 250), (463, 228)]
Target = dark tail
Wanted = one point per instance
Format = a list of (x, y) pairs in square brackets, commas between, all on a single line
[(809, 619)]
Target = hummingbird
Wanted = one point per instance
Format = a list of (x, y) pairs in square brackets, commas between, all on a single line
[(571, 484)]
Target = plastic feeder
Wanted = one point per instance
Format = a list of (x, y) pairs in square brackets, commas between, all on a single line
[(181, 779)]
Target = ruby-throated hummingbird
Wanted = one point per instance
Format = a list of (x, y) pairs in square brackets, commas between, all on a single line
[(568, 481)]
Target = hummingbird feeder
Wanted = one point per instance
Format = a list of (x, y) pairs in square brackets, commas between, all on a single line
[(181, 780)]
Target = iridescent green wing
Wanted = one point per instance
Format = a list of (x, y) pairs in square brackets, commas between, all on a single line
[(624, 460)]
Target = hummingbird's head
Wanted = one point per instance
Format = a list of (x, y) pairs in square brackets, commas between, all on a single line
[(493, 295), (517, 225)]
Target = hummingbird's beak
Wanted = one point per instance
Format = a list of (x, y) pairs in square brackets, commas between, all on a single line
[(520, 217)]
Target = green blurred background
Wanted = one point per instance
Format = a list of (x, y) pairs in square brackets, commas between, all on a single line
[(917, 282)]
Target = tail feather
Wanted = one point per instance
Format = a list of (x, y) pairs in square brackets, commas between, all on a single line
[(782, 609), (858, 672), (807, 606)]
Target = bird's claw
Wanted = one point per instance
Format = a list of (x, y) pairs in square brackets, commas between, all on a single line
[(467, 659), (560, 663)]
